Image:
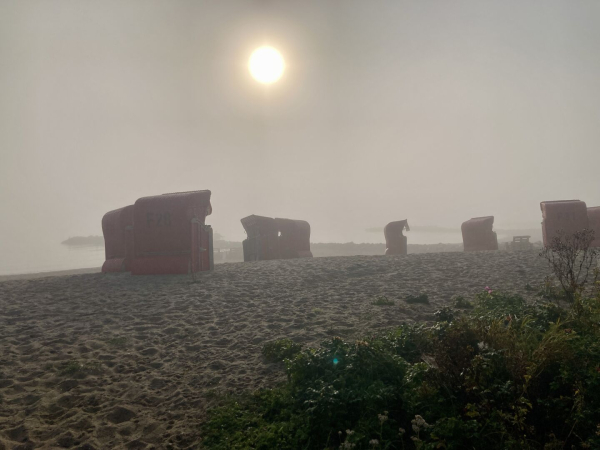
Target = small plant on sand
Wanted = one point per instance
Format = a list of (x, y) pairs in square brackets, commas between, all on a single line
[(421, 298), (550, 292), (461, 303), (280, 350), (383, 301), (367, 316), (316, 311), (118, 342), (80, 369), (215, 393)]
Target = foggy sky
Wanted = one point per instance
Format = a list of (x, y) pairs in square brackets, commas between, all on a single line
[(433, 111)]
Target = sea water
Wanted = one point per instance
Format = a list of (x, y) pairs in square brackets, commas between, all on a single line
[(47, 256)]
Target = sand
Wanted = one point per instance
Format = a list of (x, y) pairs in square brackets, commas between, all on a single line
[(58, 273), (116, 361)]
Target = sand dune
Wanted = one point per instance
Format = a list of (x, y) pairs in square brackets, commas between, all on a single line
[(115, 361)]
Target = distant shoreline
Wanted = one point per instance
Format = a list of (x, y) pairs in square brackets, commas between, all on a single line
[(84, 240), (55, 273), (231, 252), (319, 250)]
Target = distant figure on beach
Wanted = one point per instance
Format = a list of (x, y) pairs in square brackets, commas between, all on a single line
[(274, 238), (395, 241), (478, 234), (566, 215)]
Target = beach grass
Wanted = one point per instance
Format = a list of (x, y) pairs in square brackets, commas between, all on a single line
[(383, 301)]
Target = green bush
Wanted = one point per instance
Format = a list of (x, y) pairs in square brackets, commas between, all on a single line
[(280, 350), (462, 303), (445, 314), (421, 298), (504, 375), (383, 301)]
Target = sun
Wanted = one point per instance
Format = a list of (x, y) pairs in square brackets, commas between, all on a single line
[(266, 65)]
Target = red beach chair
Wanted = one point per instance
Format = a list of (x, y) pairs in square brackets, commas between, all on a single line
[(170, 234), (294, 238), (117, 228), (566, 215), (478, 234), (270, 238), (261, 243), (594, 223)]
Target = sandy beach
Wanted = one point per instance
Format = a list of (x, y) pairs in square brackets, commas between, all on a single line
[(116, 361)]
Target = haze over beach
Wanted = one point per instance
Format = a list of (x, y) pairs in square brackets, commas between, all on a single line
[(318, 224), (432, 112)]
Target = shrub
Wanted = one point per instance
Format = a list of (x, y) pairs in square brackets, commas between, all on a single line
[(460, 302), (280, 350), (383, 301), (421, 298), (505, 375), (550, 292), (572, 260), (444, 314)]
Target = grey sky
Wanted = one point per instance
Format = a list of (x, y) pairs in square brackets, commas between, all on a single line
[(435, 111)]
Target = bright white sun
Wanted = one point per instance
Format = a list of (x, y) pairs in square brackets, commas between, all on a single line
[(266, 65)]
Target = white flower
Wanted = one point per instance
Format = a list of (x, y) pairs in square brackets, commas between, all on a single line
[(419, 422), (374, 442), (402, 431), (382, 418), (349, 432)]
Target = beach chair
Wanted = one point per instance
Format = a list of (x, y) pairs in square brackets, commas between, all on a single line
[(261, 242), (170, 234), (117, 228), (395, 241), (478, 234), (566, 215), (594, 224), (269, 238)]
